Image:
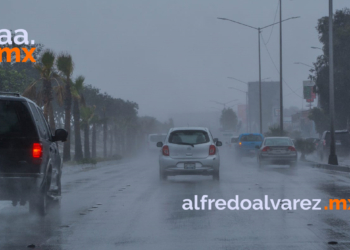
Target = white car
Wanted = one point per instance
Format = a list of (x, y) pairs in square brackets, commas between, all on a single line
[(189, 151), (152, 140)]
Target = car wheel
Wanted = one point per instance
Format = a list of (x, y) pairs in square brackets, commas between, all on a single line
[(162, 175), (216, 175)]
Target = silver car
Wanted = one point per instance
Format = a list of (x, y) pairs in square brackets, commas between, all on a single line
[(189, 151), (277, 150)]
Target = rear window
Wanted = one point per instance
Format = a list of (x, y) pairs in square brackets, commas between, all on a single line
[(15, 120), (278, 142), (189, 137), (251, 138), (234, 140), (157, 138)]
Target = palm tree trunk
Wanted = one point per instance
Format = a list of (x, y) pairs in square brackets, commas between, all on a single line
[(105, 138), (111, 141), (93, 146), (77, 136), (86, 141), (67, 119), (47, 97), (52, 119)]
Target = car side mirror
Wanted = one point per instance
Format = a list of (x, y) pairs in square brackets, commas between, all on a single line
[(159, 144), (257, 146), (215, 140), (60, 135), (218, 143)]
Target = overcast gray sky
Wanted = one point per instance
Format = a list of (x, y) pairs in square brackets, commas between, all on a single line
[(171, 56)]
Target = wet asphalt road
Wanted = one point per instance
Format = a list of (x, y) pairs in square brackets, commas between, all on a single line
[(124, 206)]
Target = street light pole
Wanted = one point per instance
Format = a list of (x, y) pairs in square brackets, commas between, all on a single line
[(332, 155), (260, 108), (259, 31), (281, 78)]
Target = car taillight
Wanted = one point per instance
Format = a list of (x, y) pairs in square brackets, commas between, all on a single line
[(212, 150), (165, 150), (37, 150), (291, 148), (265, 149), (324, 142)]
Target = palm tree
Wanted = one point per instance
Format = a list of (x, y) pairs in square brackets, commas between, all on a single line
[(87, 113), (77, 88), (47, 73), (94, 121), (65, 65)]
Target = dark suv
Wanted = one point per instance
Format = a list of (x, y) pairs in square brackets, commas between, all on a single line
[(342, 144), (30, 164)]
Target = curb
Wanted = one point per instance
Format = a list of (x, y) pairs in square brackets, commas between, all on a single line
[(328, 166)]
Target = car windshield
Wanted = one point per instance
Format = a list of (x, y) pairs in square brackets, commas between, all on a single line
[(278, 142), (15, 120), (189, 137), (251, 138), (157, 138)]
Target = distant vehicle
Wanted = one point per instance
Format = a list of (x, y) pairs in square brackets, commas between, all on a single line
[(234, 142), (247, 143), (315, 141), (342, 144), (152, 140), (277, 150), (189, 151), (226, 137), (30, 163)]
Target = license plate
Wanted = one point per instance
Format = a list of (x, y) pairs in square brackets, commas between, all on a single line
[(276, 151), (252, 151), (190, 165)]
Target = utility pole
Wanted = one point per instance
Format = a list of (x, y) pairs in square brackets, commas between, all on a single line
[(332, 155), (259, 31), (281, 76), (260, 103)]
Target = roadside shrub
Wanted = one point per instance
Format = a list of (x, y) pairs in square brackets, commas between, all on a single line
[(304, 147), (274, 131)]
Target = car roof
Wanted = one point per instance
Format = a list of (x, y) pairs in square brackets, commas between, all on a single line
[(250, 134), (279, 137), (188, 128), (14, 97), (337, 131)]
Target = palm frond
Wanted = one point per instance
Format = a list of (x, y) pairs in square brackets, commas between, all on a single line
[(79, 83), (60, 91), (48, 59), (65, 64), (31, 92)]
